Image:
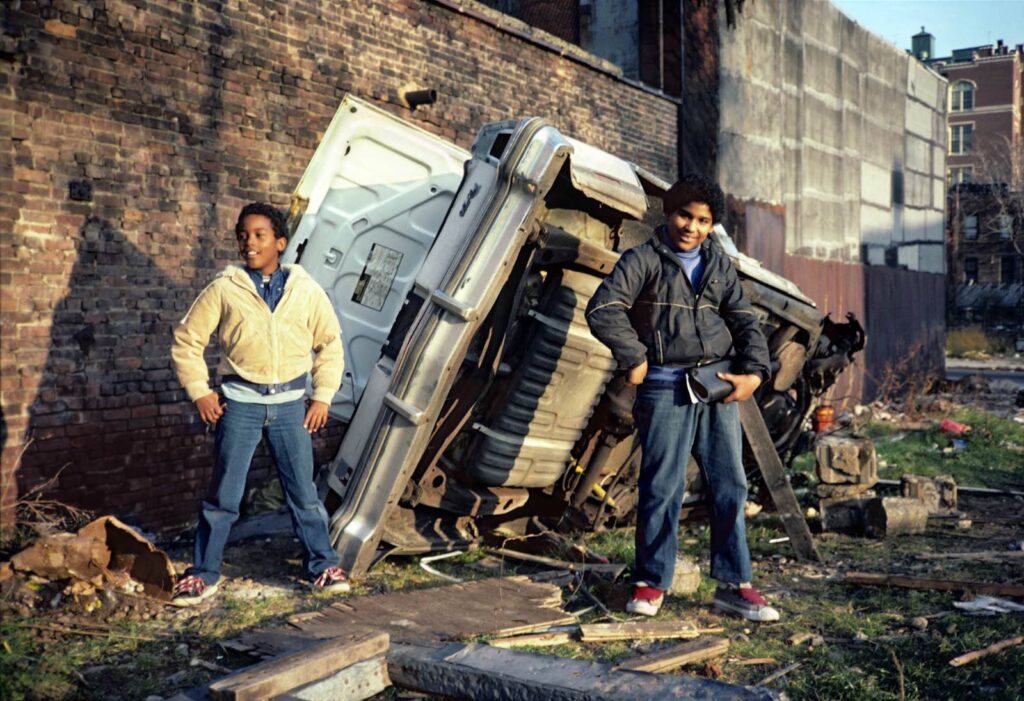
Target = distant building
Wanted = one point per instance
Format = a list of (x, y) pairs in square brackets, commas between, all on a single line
[(984, 169)]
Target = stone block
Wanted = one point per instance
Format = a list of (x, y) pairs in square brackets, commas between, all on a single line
[(918, 119), (842, 491), (875, 225), (846, 460), (844, 514), (919, 154), (885, 517), (876, 187)]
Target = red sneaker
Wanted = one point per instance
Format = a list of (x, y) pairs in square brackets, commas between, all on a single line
[(646, 600)]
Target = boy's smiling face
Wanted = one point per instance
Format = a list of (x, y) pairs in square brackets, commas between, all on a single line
[(257, 245), (689, 226)]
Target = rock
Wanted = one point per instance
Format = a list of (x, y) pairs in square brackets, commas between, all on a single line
[(938, 494), (817, 641), (964, 524), (885, 517), (919, 622), (181, 650), (686, 578), (860, 636)]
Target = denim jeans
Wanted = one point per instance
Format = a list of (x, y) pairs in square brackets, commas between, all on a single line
[(239, 432), (670, 427)]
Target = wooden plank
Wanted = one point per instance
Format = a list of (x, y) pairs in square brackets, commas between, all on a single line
[(762, 448), (483, 672), (289, 672), (899, 580), (677, 656), (633, 630), (534, 640), (501, 606)]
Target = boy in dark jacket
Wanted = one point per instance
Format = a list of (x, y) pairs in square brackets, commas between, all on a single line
[(671, 304)]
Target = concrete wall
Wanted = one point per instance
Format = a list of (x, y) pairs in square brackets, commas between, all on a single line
[(847, 134), (821, 116), (137, 129)]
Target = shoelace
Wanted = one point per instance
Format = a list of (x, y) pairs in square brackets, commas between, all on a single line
[(329, 576), (190, 585)]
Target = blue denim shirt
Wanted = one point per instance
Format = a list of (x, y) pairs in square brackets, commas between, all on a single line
[(270, 291)]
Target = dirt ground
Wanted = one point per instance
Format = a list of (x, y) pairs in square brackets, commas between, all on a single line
[(68, 640)]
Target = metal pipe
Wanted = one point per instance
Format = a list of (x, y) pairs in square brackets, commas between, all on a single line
[(415, 98)]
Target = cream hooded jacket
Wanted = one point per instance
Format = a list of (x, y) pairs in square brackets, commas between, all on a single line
[(260, 346)]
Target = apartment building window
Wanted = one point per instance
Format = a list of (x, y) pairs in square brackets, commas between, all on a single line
[(1009, 270), (970, 270), (970, 227), (1004, 222), (960, 138), (960, 174), (963, 96)]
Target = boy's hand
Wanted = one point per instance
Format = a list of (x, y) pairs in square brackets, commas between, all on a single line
[(210, 409), (743, 386), (635, 376), (316, 416)]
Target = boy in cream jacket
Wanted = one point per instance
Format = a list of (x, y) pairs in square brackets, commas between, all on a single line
[(268, 318)]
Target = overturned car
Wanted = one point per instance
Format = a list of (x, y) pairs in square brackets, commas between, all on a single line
[(474, 394)]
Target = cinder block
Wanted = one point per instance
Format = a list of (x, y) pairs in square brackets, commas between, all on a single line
[(846, 460), (937, 494), (843, 514), (885, 517)]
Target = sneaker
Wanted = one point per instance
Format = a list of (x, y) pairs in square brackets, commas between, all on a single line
[(192, 590), (332, 580), (744, 602), (646, 600)]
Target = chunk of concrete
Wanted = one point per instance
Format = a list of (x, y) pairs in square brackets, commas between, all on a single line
[(686, 578), (885, 517), (937, 494), (846, 460)]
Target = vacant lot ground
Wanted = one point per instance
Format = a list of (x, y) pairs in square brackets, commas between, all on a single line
[(867, 642)]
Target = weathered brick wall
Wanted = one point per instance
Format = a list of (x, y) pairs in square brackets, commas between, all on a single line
[(134, 131)]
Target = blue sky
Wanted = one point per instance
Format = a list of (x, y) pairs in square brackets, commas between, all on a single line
[(956, 24)]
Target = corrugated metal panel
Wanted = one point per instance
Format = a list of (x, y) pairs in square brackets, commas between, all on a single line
[(906, 323), (836, 288)]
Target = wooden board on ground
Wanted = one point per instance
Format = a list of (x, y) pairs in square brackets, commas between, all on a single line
[(759, 440), (534, 640), (898, 580), (288, 672), (678, 655), (641, 630), (485, 672), (501, 606)]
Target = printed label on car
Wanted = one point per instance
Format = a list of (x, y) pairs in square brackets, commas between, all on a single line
[(378, 277)]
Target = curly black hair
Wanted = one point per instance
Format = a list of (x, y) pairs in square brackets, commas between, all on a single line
[(275, 215), (695, 187)]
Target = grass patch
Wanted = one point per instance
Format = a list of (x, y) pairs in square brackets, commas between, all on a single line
[(993, 455)]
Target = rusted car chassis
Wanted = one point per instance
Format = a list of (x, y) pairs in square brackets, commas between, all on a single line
[(490, 403)]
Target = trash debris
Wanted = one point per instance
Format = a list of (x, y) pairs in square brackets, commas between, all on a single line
[(953, 428), (425, 565), (105, 550), (685, 578), (989, 606)]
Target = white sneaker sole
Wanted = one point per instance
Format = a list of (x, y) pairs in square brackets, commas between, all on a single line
[(183, 601), (765, 614), (643, 607)]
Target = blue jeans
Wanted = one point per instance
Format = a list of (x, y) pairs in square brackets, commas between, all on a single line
[(239, 432), (670, 427)]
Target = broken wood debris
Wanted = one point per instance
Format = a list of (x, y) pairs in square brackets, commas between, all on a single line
[(502, 606), (752, 661), (486, 672), (614, 569), (778, 674), (977, 555), (677, 656), (293, 671), (633, 630), (961, 660), (546, 639), (907, 582), (776, 479)]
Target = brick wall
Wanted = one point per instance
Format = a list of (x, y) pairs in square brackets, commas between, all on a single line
[(134, 132)]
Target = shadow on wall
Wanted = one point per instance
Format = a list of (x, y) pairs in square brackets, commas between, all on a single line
[(109, 425)]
